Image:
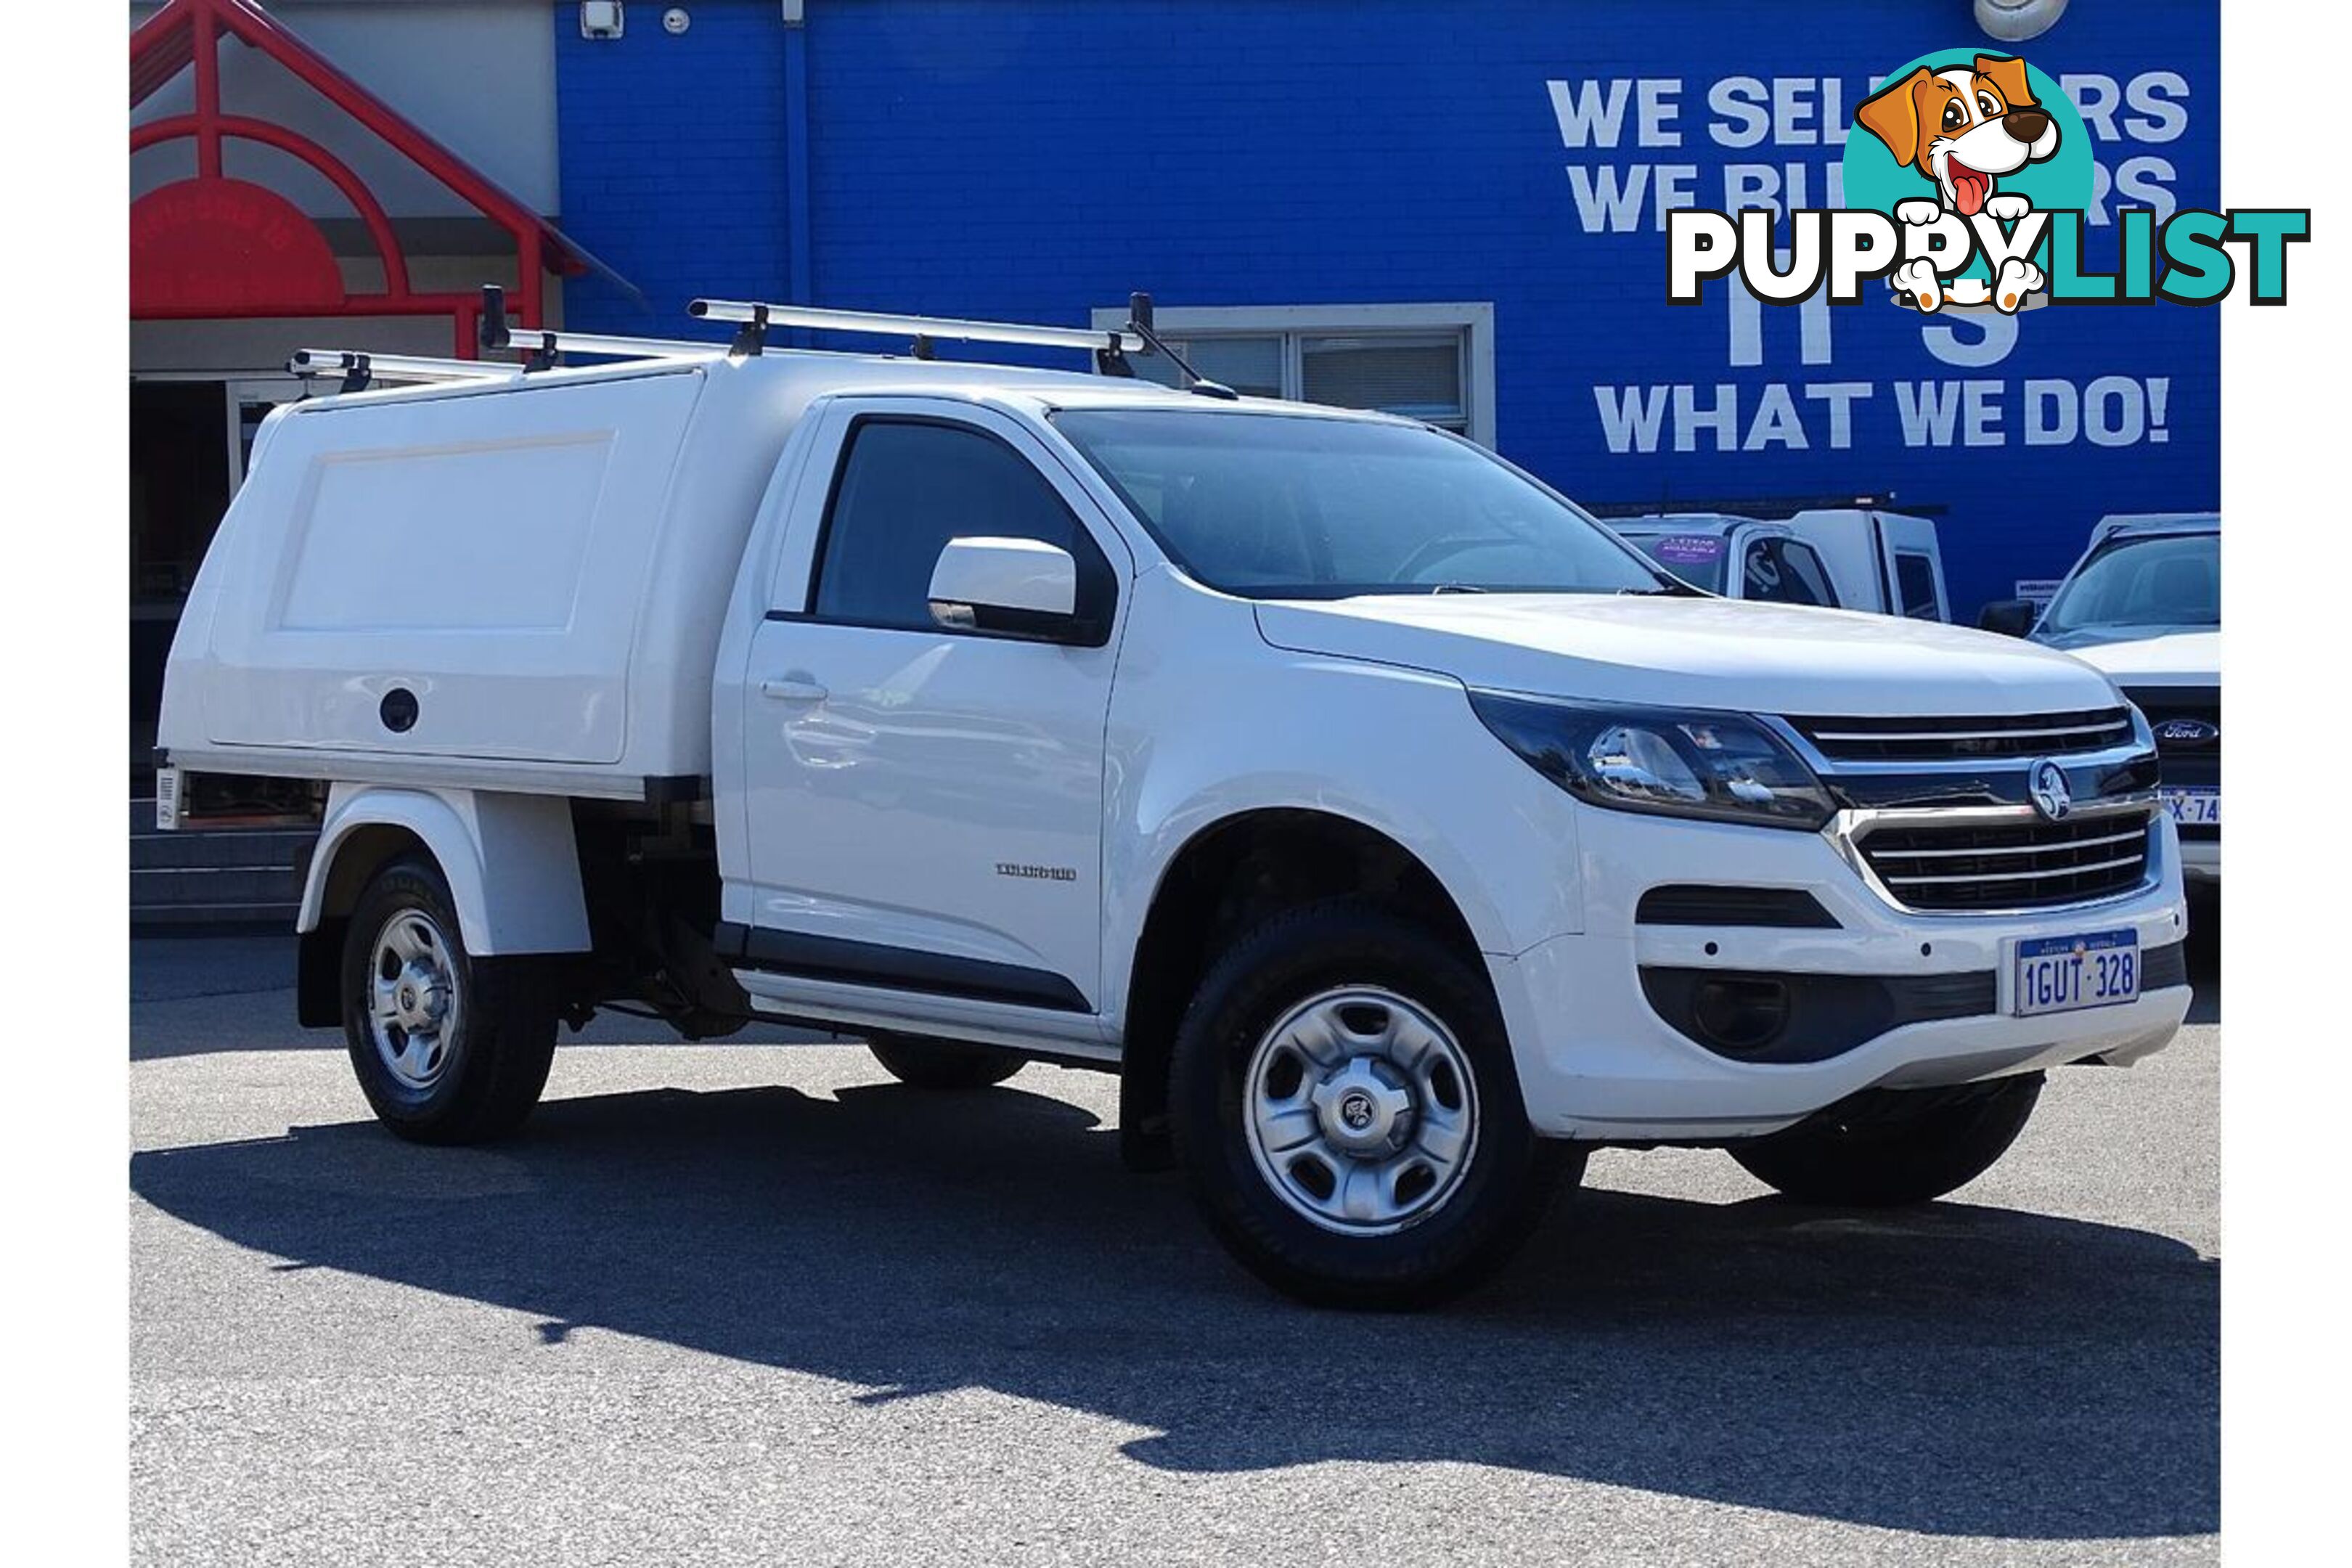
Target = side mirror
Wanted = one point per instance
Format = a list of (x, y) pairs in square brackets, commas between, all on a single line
[(2010, 618), (1022, 587)]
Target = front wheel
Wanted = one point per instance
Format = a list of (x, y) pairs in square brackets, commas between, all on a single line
[(1889, 1147), (1345, 1102), (449, 1049)]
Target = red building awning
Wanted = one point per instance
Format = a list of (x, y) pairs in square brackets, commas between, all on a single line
[(214, 246)]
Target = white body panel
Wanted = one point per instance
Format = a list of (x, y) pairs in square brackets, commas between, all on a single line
[(1898, 534), (1722, 653), (512, 867), (1264, 727), (2164, 658), (498, 576)]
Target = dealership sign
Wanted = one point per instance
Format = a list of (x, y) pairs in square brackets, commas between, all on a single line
[(1871, 399)]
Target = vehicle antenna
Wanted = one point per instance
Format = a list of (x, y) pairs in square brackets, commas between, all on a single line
[(1138, 322)]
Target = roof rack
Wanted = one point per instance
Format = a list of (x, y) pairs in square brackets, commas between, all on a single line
[(921, 329), (360, 369), (1110, 346), (542, 346)]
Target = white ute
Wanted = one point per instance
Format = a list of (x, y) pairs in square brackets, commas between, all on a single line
[(1395, 832)]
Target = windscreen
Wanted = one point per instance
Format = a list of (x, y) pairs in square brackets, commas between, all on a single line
[(2163, 580), (1695, 558), (1275, 506)]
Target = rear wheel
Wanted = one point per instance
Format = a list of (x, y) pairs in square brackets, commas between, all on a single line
[(1889, 1147), (1345, 1102), (448, 1048), (942, 1064)]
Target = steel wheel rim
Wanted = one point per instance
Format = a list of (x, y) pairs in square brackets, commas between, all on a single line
[(1360, 1111), (414, 1004)]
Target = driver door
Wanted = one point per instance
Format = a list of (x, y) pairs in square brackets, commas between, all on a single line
[(925, 801)]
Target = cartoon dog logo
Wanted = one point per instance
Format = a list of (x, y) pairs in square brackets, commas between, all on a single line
[(1962, 128)]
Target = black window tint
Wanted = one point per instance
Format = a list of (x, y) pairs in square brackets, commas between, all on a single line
[(904, 489), (1915, 578), (1786, 573)]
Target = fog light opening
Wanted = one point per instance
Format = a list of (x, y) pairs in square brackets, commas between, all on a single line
[(1741, 1014)]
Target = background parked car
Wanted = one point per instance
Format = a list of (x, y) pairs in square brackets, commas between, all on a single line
[(2144, 605), (1854, 558)]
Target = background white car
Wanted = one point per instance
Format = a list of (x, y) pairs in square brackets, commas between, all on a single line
[(1853, 558), (2144, 606)]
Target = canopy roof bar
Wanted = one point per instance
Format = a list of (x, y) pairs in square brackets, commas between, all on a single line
[(542, 344), (536, 341), (359, 369), (916, 326), (539, 346)]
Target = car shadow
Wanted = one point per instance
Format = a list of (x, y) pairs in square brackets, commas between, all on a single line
[(1951, 1370)]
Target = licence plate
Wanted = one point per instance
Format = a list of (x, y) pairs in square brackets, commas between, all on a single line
[(2193, 807), (2067, 974)]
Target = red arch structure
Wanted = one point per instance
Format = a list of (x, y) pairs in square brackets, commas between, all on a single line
[(214, 246)]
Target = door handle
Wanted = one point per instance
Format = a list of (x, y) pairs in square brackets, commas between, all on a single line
[(794, 691)]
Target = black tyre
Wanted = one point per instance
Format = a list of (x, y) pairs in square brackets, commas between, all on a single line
[(449, 1049), (942, 1064), (1344, 1101), (1889, 1147)]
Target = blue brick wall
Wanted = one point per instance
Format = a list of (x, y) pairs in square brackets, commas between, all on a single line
[(1031, 159), (672, 161)]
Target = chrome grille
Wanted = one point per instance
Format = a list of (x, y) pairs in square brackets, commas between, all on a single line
[(1962, 739), (2190, 760), (2016, 865)]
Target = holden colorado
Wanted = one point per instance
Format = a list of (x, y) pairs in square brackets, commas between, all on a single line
[(1394, 831)]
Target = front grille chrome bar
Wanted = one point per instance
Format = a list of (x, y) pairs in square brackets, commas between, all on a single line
[(2120, 744), (2044, 875), (2124, 837), (1957, 736), (1993, 816)]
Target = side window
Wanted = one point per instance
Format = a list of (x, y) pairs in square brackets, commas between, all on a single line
[(1915, 580), (1783, 571), (905, 487)]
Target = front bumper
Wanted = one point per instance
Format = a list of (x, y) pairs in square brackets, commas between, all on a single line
[(1596, 1061)]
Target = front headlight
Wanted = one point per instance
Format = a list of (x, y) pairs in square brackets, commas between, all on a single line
[(1725, 767)]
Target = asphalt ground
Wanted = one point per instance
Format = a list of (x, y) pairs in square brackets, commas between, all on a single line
[(754, 1302)]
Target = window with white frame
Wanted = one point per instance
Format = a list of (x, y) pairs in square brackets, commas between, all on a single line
[(1435, 363)]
